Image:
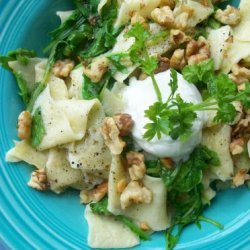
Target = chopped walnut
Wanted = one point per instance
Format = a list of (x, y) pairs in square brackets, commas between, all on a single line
[(38, 180), (170, 3), (135, 193), (230, 15), (137, 18), (111, 136), (121, 185), (136, 165), (62, 68), (237, 146), (178, 60), (164, 64), (178, 37), (94, 195), (124, 123), (144, 226), (163, 16), (97, 69), (240, 178), (143, 76), (197, 51), (24, 125), (167, 162), (240, 74), (239, 109), (242, 129)]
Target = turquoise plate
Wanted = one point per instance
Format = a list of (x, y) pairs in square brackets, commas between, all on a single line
[(35, 220)]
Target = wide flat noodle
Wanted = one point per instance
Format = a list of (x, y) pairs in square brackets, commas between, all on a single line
[(128, 7), (106, 232), (75, 87), (241, 31), (112, 101), (218, 139), (141, 212), (64, 120), (91, 154), (23, 151), (200, 11), (59, 173), (217, 40), (27, 71)]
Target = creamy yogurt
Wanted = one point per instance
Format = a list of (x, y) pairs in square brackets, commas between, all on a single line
[(139, 95)]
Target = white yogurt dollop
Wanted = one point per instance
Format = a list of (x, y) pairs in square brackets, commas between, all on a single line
[(139, 95)]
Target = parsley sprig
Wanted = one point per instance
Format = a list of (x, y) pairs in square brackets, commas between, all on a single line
[(175, 117)]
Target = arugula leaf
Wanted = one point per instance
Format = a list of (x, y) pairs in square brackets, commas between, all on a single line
[(185, 191), (85, 33), (22, 56), (40, 86), (91, 90), (37, 129), (23, 87), (101, 207)]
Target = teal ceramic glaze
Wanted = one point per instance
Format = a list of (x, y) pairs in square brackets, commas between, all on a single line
[(36, 220)]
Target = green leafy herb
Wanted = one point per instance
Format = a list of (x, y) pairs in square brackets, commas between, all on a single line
[(200, 73), (101, 207), (91, 90), (22, 56), (175, 117), (37, 129), (85, 33), (116, 60), (183, 183), (213, 23)]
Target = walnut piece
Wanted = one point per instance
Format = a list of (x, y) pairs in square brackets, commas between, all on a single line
[(135, 193), (111, 136), (178, 37), (163, 16), (240, 74), (24, 125), (94, 195), (137, 168), (178, 60), (230, 15), (62, 68), (97, 69), (240, 178), (164, 64), (197, 51), (38, 180), (242, 129), (144, 226), (124, 123), (167, 162), (237, 146)]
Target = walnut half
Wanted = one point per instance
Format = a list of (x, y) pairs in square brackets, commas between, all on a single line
[(111, 135), (39, 180), (124, 123), (229, 16), (136, 164), (135, 193), (24, 125), (62, 68), (94, 195)]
